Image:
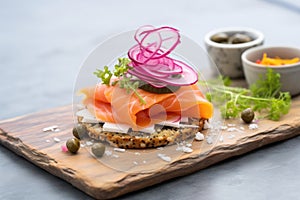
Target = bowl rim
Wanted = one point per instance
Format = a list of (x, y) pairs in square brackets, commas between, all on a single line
[(259, 48), (258, 40)]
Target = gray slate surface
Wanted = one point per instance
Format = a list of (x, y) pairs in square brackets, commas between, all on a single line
[(42, 44)]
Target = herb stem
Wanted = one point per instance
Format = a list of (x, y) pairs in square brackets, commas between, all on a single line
[(124, 81), (263, 96), (140, 98)]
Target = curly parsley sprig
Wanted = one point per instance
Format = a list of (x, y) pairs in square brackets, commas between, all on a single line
[(264, 96), (123, 79)]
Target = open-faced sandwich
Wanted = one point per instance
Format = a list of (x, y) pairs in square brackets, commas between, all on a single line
[(147, 99)]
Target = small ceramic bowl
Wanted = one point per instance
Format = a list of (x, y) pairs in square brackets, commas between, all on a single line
[(227, 57), (289, 73)]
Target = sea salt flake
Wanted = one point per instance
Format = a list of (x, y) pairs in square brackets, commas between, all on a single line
[(199, 136), (119, 150), (188, 145), (48, 141), (89, 143), (232, 129), (108, 153), (209, 140), (187, 150), (56, 139), (137, 153), (253, 126), (224, 127), (115, 156), (221, 139), (50, 128), (160, 148), (144, 161), (231, 136), (164, 157), (135, 163), (231, 125), (242, 128)]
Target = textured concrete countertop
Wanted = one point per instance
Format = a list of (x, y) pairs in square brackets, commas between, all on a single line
[(43, 43)]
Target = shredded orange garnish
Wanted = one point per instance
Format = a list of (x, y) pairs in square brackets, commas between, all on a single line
[(277, 61)]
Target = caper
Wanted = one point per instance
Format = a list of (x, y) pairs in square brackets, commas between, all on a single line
[(247, 115), (98, 149), (239, 38), (220, 38), (73, 145), (79, 131)]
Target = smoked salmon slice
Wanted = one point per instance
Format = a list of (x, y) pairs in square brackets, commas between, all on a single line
[(115, 105)]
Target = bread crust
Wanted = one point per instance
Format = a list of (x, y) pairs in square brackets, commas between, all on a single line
[(137, 140)]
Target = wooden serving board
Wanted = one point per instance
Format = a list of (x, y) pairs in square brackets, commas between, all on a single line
[(25, 136)]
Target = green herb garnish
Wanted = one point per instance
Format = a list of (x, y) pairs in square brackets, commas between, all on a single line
[(264, 96), (129, 85), (122, 67), (105, 75), (123, 79)]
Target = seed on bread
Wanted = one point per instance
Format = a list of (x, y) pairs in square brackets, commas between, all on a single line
[(138, 140)]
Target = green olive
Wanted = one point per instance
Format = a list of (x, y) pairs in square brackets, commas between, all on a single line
[(247, 115), (73, 145), (79, 131), (239, 38), (220, 38), (98, 149)]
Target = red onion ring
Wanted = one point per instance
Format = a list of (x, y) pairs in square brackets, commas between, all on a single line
[(150, 61), (166, 34)]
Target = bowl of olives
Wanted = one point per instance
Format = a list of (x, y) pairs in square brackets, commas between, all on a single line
[(225, 47)]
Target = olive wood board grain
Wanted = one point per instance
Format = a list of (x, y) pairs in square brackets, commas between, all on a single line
[(24, 135)]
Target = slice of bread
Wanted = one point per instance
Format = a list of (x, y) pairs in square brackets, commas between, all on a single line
[(163, 135)]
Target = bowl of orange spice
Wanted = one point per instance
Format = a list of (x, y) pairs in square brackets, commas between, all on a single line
[(283, 60)]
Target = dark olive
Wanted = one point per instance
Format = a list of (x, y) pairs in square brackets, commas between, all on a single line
[(98, 149), (247, 115), (79, 131), (239, 38), (73, 145), (220, 38)]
